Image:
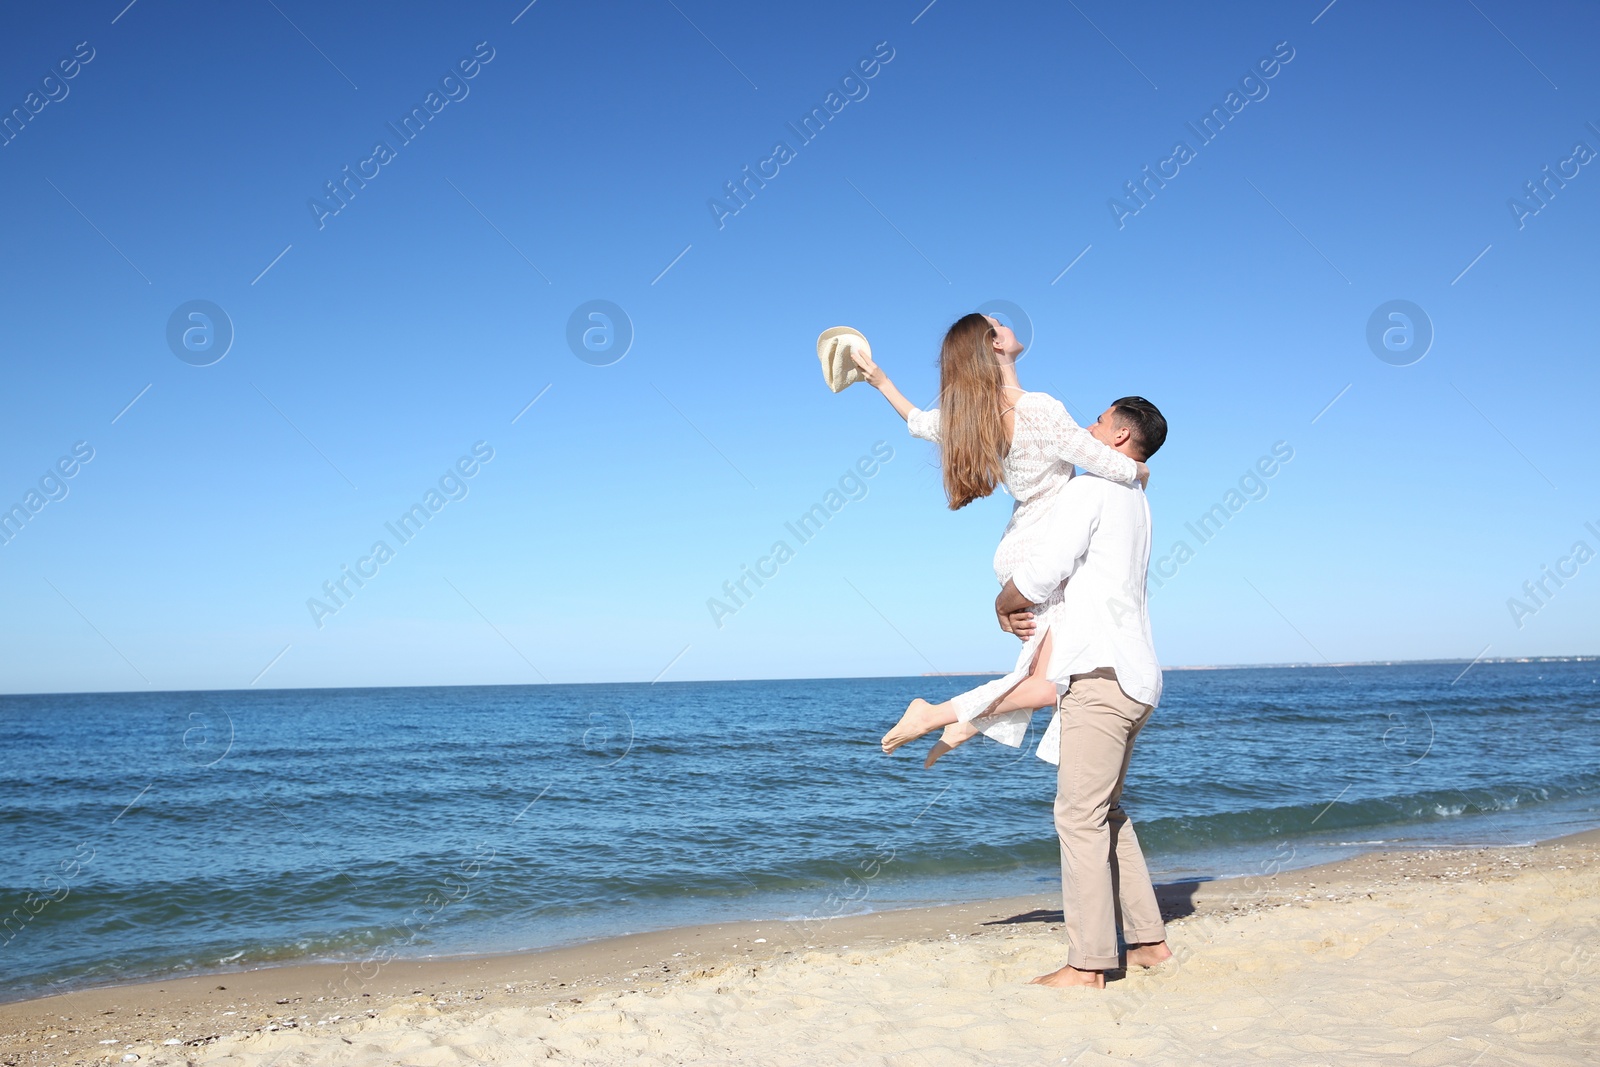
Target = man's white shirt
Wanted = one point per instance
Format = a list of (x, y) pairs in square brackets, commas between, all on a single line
[(1098, 542)]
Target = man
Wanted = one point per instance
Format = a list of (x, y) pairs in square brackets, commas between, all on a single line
[(1107, 681)]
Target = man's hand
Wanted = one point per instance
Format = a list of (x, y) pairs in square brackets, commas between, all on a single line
[(1019, 623), (1014, 612)]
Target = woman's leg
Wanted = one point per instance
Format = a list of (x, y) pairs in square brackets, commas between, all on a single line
[(1033, 692)]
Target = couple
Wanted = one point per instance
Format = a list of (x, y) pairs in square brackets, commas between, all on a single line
[(1072, 564)]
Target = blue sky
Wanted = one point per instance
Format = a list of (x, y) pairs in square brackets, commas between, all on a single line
[(578, 163)]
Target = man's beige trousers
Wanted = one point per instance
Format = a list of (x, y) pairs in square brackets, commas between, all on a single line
[(1103, 876)]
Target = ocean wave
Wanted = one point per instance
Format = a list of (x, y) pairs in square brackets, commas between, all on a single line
[(1298, 820)]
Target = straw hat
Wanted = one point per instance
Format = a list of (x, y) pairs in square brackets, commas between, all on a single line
[(833, 350)]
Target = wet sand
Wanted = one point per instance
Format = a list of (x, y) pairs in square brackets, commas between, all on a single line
[(1429, 957)]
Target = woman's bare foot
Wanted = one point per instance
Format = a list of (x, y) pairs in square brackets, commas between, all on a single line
[(920, 718), (1069, 977), (954, 736), (1149, 955)]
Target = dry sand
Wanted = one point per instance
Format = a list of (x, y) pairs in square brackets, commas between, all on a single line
[(1473, 956)]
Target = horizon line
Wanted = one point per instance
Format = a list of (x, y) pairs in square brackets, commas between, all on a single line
[(1294, 665)]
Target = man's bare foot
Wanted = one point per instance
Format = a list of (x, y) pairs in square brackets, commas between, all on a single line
[(954, 736), (1069, 976), (1149, 955), (920, 718)]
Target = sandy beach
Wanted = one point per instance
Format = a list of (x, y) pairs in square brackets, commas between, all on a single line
[(1434, 957)]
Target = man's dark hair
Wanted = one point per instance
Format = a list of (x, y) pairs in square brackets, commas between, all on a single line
[(1146, 424)]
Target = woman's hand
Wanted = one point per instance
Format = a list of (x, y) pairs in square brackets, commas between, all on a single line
[(873, 373), (1144, 474)]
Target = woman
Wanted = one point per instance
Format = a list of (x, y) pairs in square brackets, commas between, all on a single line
[(991, 431)]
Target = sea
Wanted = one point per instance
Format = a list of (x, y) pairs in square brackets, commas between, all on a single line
[(148, 835)]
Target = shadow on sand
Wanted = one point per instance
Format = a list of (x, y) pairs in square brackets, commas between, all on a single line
[(1176, 900)]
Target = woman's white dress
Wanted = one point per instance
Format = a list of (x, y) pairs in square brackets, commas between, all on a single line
[(1046, 444)]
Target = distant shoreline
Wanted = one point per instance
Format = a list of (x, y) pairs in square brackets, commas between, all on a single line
[(1292, 666), (1385, 663)]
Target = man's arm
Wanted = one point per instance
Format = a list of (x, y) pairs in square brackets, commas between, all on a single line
[(1062, 548), (1013, 611), (1065, 540), (1010, 601)]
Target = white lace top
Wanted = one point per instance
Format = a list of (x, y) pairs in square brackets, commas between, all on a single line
[(1045, 444)]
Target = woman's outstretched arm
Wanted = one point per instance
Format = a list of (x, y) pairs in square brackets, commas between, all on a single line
[(880, 381), (923, 424)]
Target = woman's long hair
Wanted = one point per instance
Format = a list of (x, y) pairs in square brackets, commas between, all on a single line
[(972, 434)]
